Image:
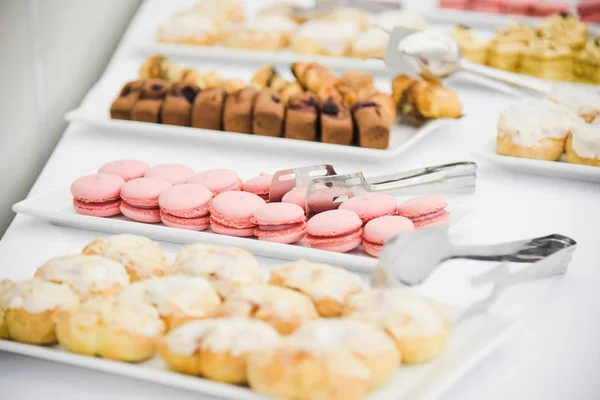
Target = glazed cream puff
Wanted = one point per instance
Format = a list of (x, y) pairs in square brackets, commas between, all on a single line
[(330, 38), (547, 59), (191, 28), (31, 308), (417, 324), (88, 275), (535, 129), (471, 47), (226, 268), (325, 359), (328, 287), (284, 309), (370, 43), (112, 328), (583, 102), (267, 33), (6, 288), (141, 257), (583, 144), (217, 349)]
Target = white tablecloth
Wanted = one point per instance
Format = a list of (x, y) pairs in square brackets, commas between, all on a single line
[(551, 355)]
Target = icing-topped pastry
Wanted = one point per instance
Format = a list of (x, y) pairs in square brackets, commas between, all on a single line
[(30, 308), (216, 348), (226, 268), (349, 356), (583, 102), (388, 20), (111, 327), (141, 257), (370, 44), (88, 275), (583, 145), (418, 325), (283, 309), (325, 37), (534, 128), (328, 287), (356, 16), (6, 288), (188, 28), (267, 33), (222, 12), (178, 298)]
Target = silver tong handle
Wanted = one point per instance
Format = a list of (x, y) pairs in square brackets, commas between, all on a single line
[(459, 176)]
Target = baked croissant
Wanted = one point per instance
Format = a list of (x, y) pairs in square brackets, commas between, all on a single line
[(204, 80), (158, 66), (354, 86), (313, 77), (264, 76)]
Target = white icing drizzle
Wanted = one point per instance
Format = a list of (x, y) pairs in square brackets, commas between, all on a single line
[(6, 293), (586, 139), (191, 296), (236, 336), (84, 273), (117, 314), (371, 40), (532, 120), (399, 311), (320, 281), (184, 25), (36, 296), (332, 36), (578, 100), (226, 268), (138, 253)]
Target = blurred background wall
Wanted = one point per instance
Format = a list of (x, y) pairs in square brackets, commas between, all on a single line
[(51, 53)]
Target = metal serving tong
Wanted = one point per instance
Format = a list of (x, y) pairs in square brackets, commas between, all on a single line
[(409, 259), (326, 189)]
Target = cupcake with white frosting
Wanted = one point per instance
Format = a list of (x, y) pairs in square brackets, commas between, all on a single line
[(583, 144)]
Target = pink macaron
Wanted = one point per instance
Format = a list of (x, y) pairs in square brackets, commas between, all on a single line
[(371, 205), (126, 169), (320, 202), (185, 206), (280, 222), (259, 185), (218, 180), (97, 195), (231, 213), (379, 230), (175, 174), (334, 230), (425, 210), (296, 196), (140, 199)]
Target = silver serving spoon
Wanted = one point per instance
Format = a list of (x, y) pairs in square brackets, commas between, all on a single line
[(435, 56)]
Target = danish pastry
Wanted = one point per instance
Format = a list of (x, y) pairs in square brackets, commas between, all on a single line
[(328, 287), (226, 268), (313, 77), (283, 309), (583, 144), (217, 349), (6, 288), (88, 275), (191, 28), (325, 359), (31, 308), (141, 257), (178, 298), (111, 328), (204, 80), (417, 324), (354, 86)]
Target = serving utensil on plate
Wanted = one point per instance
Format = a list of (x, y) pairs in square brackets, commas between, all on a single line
[(409, 259)]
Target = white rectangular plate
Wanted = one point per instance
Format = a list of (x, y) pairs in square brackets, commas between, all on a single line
[(402, 137), (555, 169), (56, 206), (471, 340)]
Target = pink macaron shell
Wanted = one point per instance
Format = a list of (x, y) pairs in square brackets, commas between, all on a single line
[(259, 185), (340, 244), (296, 196), (235, 207), (288, 235), (144, 192), (371, 205), (172, 173), (372, 249), (439, 218), (146, 215), (97, 188), (218, 180), (278, 214), (422, 205), (194, 224), (230, 231), (126, 169), (333, 223), (188, 200), (106, 209), (382, 229)]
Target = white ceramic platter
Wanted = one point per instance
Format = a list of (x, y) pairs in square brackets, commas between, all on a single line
[(56, 206), (555, 169), (471, 340)]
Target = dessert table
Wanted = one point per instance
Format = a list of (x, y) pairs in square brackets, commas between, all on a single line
[(551, 353)]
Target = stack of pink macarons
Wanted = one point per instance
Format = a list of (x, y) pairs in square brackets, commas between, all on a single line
[(218, 199), (538, 8)]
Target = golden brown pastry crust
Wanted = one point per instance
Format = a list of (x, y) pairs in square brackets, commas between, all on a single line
[(550, 149), (157, 66), (574, 158)]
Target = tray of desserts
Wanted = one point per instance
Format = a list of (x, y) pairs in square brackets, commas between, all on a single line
[(558, 136), (174, 203), (316, 111), (210, 320)]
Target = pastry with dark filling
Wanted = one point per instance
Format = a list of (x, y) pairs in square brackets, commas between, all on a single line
[(122, 105), (336, 123), (372, 125), (177, 108), (302, 117), (269, 114), (237, 113), (207, 112), (147, 108)]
